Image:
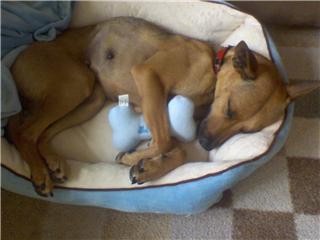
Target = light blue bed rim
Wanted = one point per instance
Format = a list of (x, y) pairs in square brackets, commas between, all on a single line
[(185, 197)]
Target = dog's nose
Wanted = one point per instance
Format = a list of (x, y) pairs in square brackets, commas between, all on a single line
[(203, 137), (206, 143)]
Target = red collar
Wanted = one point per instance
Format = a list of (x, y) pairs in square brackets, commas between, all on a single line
[(219, 58)]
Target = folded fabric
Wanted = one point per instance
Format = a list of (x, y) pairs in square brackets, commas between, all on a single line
[(23, 23)]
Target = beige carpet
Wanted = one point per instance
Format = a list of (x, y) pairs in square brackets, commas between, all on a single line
[(279, 201)]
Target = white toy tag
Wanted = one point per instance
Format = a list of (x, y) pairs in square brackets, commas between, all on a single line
[(123, 100)]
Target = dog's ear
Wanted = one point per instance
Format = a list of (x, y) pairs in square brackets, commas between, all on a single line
[(245, 62), (301, 88)]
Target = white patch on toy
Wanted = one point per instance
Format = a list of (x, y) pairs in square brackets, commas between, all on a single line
[(129, 127), (123, 100)]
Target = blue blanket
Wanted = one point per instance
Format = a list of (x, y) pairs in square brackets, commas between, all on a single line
[(21, 24)]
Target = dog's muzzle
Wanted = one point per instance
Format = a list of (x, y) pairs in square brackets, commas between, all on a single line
[(205, 140)]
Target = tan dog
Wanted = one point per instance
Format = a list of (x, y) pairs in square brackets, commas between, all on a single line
[(57, 86)]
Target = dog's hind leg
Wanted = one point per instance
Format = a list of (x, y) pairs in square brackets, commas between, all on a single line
[(83, 112), (50, 84), (24, 132)]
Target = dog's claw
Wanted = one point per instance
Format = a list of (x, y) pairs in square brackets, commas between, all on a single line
[(135, 171), (133, 179), (42, 194), (54, 175), (42, 186), (39, 189), (57, 180)]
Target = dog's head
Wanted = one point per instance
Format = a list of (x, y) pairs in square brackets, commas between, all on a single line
[(249, 96)]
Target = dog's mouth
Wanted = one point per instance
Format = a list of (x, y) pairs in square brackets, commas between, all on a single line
[(208, 142)]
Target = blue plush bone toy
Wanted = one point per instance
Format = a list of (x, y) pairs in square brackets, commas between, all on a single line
[(129, 128)]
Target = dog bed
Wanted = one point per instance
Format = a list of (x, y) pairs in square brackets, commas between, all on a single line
[(96, 180)]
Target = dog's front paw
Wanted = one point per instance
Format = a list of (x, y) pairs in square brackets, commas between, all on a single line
[(127, 158), (153, 168), (146, 170), (42, 182)]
